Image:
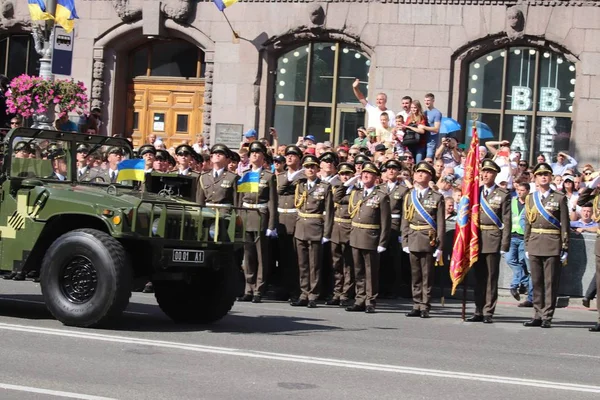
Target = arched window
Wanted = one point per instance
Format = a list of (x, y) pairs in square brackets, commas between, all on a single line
[(173, 58), (525, 95), (18, 56), (313, 92)]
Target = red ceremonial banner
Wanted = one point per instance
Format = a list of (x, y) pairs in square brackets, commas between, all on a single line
[(466, 237)]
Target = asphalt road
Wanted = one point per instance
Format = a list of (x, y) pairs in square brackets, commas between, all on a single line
[(274, 351)]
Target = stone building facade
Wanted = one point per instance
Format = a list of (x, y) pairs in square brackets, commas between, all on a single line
[(530, 69)]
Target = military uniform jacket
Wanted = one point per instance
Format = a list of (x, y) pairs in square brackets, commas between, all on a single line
[(221, 190), (286, 189), (396, 202), (342, 226), (318, 201), (586, 197), (102, 176), (371, 220), (84, 174), (267, 196), (495, 240), (333, 180), (425, 240), (547, 244)]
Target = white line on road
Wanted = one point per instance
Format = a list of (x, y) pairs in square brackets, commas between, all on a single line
[(579, 355), (306, 359), (41, 302), (49, 392)]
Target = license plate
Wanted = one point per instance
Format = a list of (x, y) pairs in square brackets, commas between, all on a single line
[(188, 256)]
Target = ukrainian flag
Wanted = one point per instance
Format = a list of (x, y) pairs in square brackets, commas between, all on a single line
[(131, 170), (37, 10), (249, 182), (66, 14), (222, 4)]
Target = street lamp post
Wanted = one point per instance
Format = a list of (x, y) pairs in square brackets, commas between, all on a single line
[(43, 36)]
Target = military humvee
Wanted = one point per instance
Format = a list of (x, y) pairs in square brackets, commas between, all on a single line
[(89, 238)]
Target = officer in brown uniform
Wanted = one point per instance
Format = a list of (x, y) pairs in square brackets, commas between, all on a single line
[(341, 252), (218, 187), (494, 240), (423, 230), (391, 258), (589, 195), (286, 188), (369, 209), (256, 249), (546, 243), (314, 202)]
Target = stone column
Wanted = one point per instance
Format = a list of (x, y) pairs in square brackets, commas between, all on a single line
[(206, 116)]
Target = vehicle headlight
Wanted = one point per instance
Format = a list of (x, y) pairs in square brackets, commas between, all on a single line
[(155, 226), (211, 230)]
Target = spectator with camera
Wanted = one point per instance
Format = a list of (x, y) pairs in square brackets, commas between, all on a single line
[(448, 152)]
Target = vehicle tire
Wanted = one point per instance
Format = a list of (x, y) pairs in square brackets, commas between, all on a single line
[(207, 298), (86, 278)]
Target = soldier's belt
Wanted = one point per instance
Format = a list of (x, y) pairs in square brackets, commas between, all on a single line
[(218, 205), (419, 227), (260, 205), (365, 226), (304, 215), (342, 220), (287, 210), (396, 216), (546, 231), (489, 227)]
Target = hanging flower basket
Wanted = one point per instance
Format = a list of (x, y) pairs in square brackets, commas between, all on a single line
[(31, 95)]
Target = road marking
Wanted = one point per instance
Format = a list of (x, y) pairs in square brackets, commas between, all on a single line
[(340, 363), (579, 355), (22, 301), (49, 392)]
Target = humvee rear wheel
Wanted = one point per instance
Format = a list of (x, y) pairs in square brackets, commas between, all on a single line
[(207, 298), (86, 278)]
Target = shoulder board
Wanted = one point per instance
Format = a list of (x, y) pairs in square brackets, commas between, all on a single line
[(502, 190), (558, 194)]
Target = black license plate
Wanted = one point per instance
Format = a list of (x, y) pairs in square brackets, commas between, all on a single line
[(188, 256)]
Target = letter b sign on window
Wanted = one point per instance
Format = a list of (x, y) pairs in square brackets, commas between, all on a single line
[(521, 98), (549, 99)]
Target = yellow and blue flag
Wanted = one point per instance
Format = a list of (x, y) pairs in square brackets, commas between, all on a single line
[(249, 182), (37, 10), (222, 4), (132, 170), (66, 14)]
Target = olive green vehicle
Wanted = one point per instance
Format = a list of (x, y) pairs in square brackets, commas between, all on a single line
[(89, 239)]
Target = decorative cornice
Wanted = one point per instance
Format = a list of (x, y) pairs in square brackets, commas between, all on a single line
[(538, 3)]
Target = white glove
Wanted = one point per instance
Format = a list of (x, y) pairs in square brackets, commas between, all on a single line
[(502, 252), (406, 250), (527, 255), (271, 233), (380, 249), (399, 239), (349, 190), (324, 240), (351, 181), (437, 253), (563, 256)]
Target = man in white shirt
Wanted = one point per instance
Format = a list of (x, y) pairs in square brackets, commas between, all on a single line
[(373, 112), (563, 163)]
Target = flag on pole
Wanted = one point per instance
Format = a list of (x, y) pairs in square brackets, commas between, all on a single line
[(466, 238), (132, 170), (66, 14), (222, 4), (249, 182), (37, 10)]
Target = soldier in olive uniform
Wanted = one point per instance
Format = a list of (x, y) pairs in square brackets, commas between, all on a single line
[(546, 243), (256, 249), (286, 188), (391, 258), (369, 209), (83, 170), (586, 196), (423, 230), (314, 202), (218, 187), (109, 175), (341, 252), (494, 240)]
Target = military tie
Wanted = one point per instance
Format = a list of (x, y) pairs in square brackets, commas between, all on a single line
[(216, 174), (113, 176), (485, 193), (420, 196)]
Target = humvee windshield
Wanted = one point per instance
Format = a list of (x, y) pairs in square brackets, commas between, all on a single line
[(66, 157)]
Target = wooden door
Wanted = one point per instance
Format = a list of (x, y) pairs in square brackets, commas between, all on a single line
[(170, 109)]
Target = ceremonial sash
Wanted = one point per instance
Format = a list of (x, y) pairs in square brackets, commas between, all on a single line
[(489, 212), (421, 211), (540, 208)]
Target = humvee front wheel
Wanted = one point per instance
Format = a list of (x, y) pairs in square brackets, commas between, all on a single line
[(207, 298), (86, 278)]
